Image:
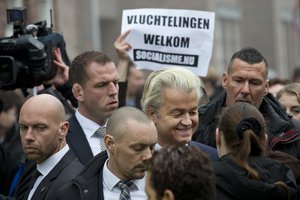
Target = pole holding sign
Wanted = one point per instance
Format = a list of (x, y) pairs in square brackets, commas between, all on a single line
[(170, 37)]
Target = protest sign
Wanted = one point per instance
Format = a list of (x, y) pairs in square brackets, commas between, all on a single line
[(170, 37)]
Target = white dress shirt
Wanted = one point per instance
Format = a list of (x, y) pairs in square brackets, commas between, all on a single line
[(45, 167), (89, 128), (110, 192), (157, 147)]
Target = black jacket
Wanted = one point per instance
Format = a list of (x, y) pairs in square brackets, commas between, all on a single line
[(233, 182), (76, 138), (8, 168), (283, 130), (63, 172), (86, 185)]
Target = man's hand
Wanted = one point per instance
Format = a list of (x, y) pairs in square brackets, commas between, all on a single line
[(62, 70), (122, 47)]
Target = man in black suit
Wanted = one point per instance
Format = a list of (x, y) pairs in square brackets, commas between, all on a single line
[(96, 83), (43, 130), (170, 98), (129, 140)]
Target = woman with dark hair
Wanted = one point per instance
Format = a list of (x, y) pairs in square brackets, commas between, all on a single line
[(243, 170)]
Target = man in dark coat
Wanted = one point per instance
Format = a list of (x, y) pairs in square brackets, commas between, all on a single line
[(43, 130), (100, 88), (246, 81), (129, 140)]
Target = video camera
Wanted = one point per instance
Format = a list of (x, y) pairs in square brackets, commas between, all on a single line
[(26, 58)]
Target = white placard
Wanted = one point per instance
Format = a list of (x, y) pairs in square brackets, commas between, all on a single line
[(170, 37)]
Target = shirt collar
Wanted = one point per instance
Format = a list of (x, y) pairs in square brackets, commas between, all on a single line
[(110, 180), (157, 147), (46, 166), (89, 127)]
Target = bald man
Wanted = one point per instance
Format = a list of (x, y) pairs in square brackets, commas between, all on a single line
[(129, 140), (43, 130)]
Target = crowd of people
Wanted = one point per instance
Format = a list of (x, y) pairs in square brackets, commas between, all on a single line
[(125, 135)]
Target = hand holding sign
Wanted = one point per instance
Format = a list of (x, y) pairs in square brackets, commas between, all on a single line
[(121, 46)]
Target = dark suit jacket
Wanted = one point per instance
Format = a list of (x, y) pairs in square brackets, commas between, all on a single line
[(63, 172), (88, 183), (76, 138), (8, 168), (77, 141), (210, 151)]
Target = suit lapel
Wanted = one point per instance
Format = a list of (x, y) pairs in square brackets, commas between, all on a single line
[(77, 141), (23, 184), (43, 188)]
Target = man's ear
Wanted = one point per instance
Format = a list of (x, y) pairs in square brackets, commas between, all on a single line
[(64, 127), (110, 143), (218, 137), (224, 80), (152, 114), (267, 88), (168, 195), (265, 139), (77, 91)]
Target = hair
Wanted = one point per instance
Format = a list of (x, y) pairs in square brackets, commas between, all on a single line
[(292, 89), (118, 119), (249, 55), (78, 72), (173, 77), (185, 170), (11, 98), (277, 80), (251, 142)]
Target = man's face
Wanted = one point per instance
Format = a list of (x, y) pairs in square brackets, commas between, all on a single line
[(245, 83), (98, 97), (136, 81), (40, 133), (177, 117), (133, 149)]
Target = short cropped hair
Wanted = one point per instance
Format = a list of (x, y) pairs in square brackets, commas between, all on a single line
[(77, 71), (249, 55), (119, 118), (185, 170), (173, 77)]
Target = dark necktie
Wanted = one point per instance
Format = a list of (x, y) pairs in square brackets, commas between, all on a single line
[(101, 133), (34, 176), (125, 187)]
